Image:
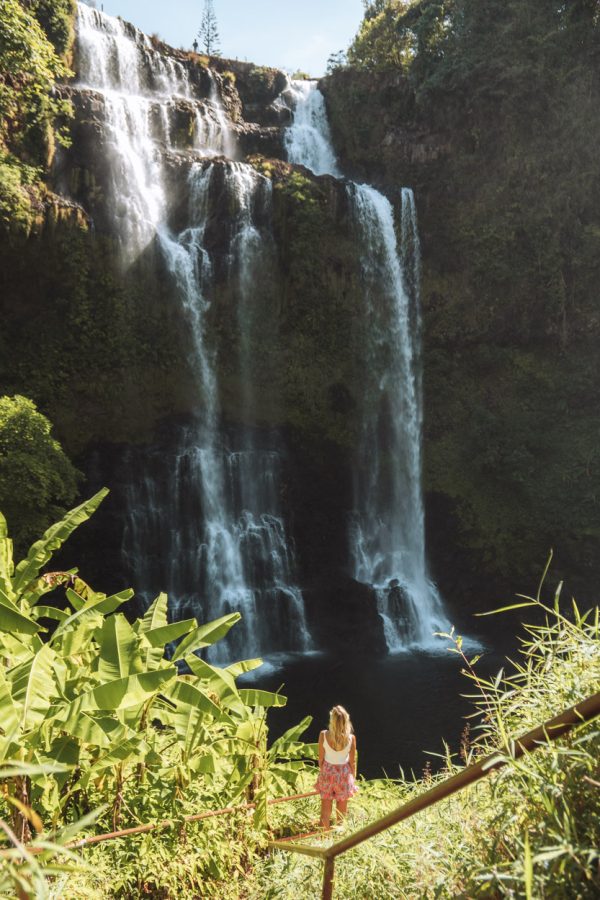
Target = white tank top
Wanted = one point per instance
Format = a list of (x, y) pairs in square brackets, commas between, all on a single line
[(336, 757)]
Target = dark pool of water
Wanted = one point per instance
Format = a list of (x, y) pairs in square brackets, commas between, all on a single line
[(401, 706)]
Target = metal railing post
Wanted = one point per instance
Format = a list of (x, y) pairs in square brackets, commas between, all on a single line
[(328, 875)]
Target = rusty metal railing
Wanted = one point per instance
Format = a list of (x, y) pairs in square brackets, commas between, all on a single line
[(527, 743), (163, 824)]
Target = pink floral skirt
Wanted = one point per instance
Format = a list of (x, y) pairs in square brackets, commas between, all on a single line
[(336, 782)]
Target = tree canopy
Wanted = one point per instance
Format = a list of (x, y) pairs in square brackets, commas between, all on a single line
[(37, 480)]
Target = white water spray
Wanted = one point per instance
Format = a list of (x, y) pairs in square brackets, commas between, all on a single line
[(194, 528)]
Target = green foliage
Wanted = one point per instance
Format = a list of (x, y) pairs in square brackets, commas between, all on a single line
[(101, 708), (26, 872), (377, 44), (57, 19), (30, 68), (37, 480), (29, 111)]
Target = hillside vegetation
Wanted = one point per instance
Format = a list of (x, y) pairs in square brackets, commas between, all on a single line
[(490, 110)]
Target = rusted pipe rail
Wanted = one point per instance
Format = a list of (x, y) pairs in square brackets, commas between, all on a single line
[(164, 823), (527, 743)]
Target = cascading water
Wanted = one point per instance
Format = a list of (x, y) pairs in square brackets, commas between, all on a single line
[(203, 520), (387, 534)]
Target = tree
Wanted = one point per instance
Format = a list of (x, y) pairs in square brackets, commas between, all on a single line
[(37, 479), (209, 30)]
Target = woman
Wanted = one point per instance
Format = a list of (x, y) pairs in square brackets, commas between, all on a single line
[(337, 765)]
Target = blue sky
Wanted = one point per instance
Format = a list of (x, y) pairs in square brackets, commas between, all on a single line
[(290, 34)]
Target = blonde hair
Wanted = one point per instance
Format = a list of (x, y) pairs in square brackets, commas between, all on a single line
[(340, 727)]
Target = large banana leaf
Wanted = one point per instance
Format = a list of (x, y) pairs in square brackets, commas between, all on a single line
[(15, 649), (190, 708), (88, 730), (40, 552), (9, 711), (165, 634), (205, 635), (244, 665), (11, 619), (122, 693), (78, 641), (154, 641), (90, 608), (50, 612), (119, 649), (33, 688), (6, 560), (220, 681), (156, 614), (265, 699), (288, 742)]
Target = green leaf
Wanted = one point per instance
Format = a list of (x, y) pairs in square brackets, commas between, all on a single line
[(6, 560), (50, 612), (205, 635), (122, 693), (11, 768), (119, 649), (40, 552), (266, 699), (156, 614), (289, 738), (165, 634), (9, 711), (11, 619), (98, 605), (494, 612), (191, 706), (220, 681), (33, 687), (245, 665)]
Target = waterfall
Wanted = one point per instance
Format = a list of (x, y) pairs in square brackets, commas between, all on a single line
[(308, 141), (203, 515), (387, 531)]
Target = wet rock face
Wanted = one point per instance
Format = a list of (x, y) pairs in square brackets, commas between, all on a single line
[(510, 315), (258, 89), (343, 616)]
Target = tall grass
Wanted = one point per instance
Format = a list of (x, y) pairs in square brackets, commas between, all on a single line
[(530, 830)]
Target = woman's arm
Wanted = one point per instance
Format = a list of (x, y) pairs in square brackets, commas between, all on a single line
[(352, 759), (321, 750)]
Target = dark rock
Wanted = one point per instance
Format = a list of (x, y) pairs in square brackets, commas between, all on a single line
[(342, 616)]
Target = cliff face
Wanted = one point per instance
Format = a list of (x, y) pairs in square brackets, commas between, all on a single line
[(510, 269), (102, 342), (508, 211)]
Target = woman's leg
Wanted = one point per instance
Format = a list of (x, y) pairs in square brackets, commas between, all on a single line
[(325, 812), (342, 809)]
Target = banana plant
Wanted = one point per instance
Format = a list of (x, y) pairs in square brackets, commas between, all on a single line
[(94, 699)]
